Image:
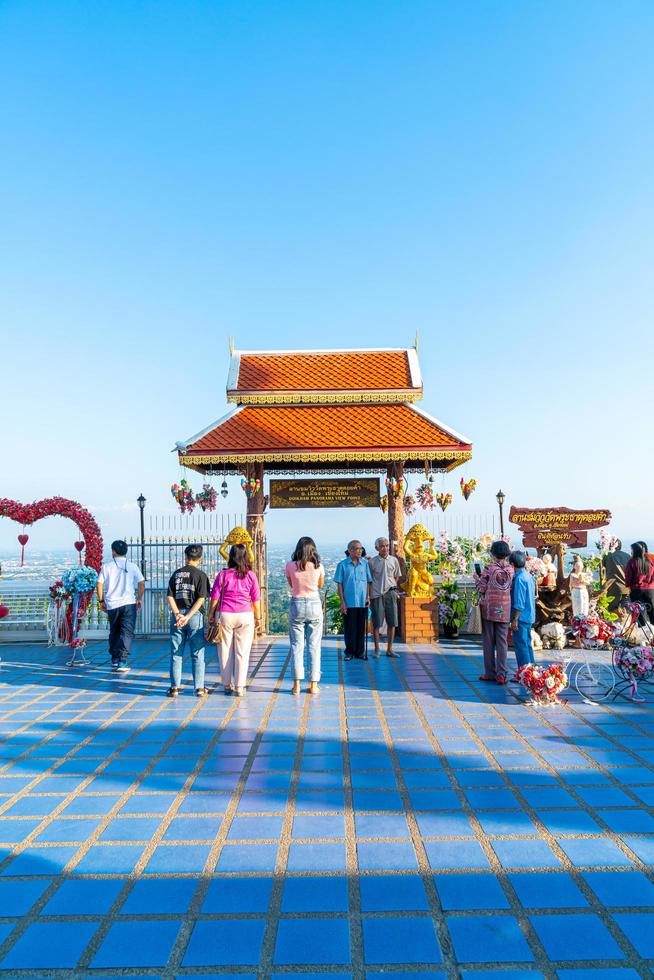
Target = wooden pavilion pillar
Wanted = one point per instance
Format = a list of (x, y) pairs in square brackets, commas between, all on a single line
[(256, 530), (396, 515)]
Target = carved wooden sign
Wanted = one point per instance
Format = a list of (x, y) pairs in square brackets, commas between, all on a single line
[(324, 493), (547, 527)]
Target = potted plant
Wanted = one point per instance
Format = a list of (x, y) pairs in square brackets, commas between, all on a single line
[(453, 608)]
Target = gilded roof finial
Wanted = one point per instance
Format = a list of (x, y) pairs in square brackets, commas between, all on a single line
[(415, 342), (230, 341)]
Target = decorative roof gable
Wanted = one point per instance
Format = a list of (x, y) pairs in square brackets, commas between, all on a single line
[(324, 376)]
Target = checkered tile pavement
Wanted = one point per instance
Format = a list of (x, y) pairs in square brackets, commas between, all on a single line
[(409, 821)]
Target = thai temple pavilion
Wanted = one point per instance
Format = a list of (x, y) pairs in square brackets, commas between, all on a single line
[(325, 412)]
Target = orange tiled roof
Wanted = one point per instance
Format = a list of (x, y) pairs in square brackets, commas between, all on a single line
[(306, 371), (309, 429)]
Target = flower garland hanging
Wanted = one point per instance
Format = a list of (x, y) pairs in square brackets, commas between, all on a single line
[(250, 486), (409, 505), (543, 683), (425, 496), (383, 503), (396, 486), (207, 498), (444, 500), (467, 487), (184, 496)]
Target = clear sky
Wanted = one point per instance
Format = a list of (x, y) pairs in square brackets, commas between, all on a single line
[(316, 174)]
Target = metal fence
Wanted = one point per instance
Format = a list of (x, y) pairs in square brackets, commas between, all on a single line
[(159, 558)]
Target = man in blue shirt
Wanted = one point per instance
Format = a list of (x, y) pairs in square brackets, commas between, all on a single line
[(354, 582), (523, 609)]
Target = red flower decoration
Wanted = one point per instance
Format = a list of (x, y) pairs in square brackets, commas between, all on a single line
[(27, 514)]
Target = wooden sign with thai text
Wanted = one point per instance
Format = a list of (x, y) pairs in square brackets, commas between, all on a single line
[(324, 493), (558, 519), (550, 539)]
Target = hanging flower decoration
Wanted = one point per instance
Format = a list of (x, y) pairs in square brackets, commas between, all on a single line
[(79, 547), (207, 498), (383, 503), (28, 514), (544, 683), (184, 496), (443, 500), (396, 486), (467, 487), (409, 505), (250, 486), (425, 496)]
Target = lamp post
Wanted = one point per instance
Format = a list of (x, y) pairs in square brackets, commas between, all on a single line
[(141, 502), (500, 497)]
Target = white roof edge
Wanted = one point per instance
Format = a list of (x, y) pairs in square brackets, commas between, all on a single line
[(414, 367), (183, 445), (234, 367), (330, 350), (441, 425)]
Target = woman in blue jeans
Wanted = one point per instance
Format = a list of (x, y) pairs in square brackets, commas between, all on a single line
[(305, 576)]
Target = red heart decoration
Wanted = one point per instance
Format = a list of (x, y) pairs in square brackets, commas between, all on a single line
[(80, 545), (4, 611), (23, 539), (28, 514)]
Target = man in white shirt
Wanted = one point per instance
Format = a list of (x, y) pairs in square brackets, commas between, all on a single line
[(120, 594), (386, 573)]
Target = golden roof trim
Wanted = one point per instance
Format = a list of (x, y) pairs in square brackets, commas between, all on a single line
[(375, 396), (391, 456)]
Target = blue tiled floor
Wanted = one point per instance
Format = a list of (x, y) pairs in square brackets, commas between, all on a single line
[(407, 822)]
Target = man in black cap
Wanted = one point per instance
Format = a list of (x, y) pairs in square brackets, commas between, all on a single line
[(120, 594)]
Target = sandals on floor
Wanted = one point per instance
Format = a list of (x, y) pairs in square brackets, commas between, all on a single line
[(485, 677), (201, 692), (172, 692)]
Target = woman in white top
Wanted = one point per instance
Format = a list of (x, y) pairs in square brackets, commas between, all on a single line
[(305, 575)]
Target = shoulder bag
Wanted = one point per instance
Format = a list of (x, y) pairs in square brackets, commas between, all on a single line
[(214, 631)]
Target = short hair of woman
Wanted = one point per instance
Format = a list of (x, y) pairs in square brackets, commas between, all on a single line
[(640, 556), (518, 559), (239, 559), (500, 549), (305, 550)]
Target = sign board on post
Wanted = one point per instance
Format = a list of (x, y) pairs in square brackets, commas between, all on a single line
[(324, 493), (548, 527), (550, 539)]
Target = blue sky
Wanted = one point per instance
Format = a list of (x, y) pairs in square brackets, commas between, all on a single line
[(327, 174)]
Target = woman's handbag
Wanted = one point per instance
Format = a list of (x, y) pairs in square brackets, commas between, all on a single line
[(213, 632)]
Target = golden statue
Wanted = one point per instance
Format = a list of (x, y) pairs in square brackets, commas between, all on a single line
[(237, 535), (419, 549)]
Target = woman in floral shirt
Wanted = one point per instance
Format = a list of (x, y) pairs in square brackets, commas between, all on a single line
[(494, 587)]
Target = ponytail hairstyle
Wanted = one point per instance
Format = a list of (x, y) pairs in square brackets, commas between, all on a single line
[(239, 559), (305, 551), (640, 557)]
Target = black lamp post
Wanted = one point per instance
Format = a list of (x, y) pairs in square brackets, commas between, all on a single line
[(499, 496), (141, 502)]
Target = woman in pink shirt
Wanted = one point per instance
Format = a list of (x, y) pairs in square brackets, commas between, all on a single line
[(235, 600), (305, 575)]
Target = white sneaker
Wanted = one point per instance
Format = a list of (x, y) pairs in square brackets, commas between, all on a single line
[(122, 669)]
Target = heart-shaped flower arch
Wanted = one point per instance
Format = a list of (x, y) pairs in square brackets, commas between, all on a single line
[(26, 514)]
